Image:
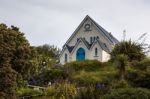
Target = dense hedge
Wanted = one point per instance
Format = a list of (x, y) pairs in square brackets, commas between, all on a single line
[(62, 91), (138, 78), (47, 76), (128, 93), (87, 65)]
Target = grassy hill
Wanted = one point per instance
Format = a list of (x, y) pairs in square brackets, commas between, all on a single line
[(95, 80)]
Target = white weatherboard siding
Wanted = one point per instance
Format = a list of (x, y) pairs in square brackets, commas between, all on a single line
[(62, 58), (92, 53), (81, 38), (105, 56)]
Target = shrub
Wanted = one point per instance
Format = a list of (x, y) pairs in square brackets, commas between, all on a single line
[(121, 84), (92, 91), (138, 78), (128, 93), (86, 78), (103, 75), (141, 65), (133, 50), (73, 68), (87, 65), (51, 91), (86, 92), (62, 91), (48, 76)]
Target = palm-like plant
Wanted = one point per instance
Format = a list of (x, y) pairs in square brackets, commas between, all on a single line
[(133, 50), (121, 63), (124, 52)]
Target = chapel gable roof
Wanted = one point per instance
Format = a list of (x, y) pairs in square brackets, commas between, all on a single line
[(70, 48), (101, 44), (106, 34)]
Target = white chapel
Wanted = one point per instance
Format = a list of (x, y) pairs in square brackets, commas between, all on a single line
[(88, 42)]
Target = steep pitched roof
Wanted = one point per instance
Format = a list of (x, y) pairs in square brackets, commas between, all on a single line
[(101, 44), (70, 48), (107, 35)]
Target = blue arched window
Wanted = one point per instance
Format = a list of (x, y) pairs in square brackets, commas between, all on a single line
[(66, 58), (96, 52)]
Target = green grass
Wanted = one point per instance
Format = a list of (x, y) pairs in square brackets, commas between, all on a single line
[(91, 77), (28, 92)]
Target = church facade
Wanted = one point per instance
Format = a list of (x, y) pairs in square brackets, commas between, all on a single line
[(88, 42)]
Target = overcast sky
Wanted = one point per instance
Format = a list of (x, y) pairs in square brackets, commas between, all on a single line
[(53, 21)]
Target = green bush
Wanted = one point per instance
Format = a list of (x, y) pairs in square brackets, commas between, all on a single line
[(83, 71), (86, 78), (48, 76), (141, 65), (103, 75), (128, 93), (86, 92), (62, 91), (87, 65), (92, 91), (121, 84), (51, 91), (28, 92), (138, 78)]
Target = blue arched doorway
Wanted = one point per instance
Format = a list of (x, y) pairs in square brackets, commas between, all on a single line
[(80, 55)]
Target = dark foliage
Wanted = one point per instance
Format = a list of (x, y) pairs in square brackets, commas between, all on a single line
[(87, 65), (48, 50), (128, 93), (14, 55), (139, 78), (141, 65), (133, 50), (47, 76)]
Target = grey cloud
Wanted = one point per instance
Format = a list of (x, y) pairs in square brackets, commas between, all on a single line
[(53, 21)]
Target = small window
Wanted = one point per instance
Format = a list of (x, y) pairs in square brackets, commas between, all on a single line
[(91, 40), (96, 52), (94, 38), (66, 58), (105, 45), (97, 37), (77, 39)]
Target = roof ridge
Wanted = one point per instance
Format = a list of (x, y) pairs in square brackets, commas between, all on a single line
[(104, 32)]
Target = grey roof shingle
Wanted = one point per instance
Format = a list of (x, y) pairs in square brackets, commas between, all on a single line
[(70, 48), (103, 46), (88, 45), (107, 34)]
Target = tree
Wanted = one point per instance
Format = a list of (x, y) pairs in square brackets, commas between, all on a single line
[(133, 50), (14, 57), (124, 52), (121, 63), (48, 50)]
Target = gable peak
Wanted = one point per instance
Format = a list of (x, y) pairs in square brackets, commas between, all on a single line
[(87, 17)]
